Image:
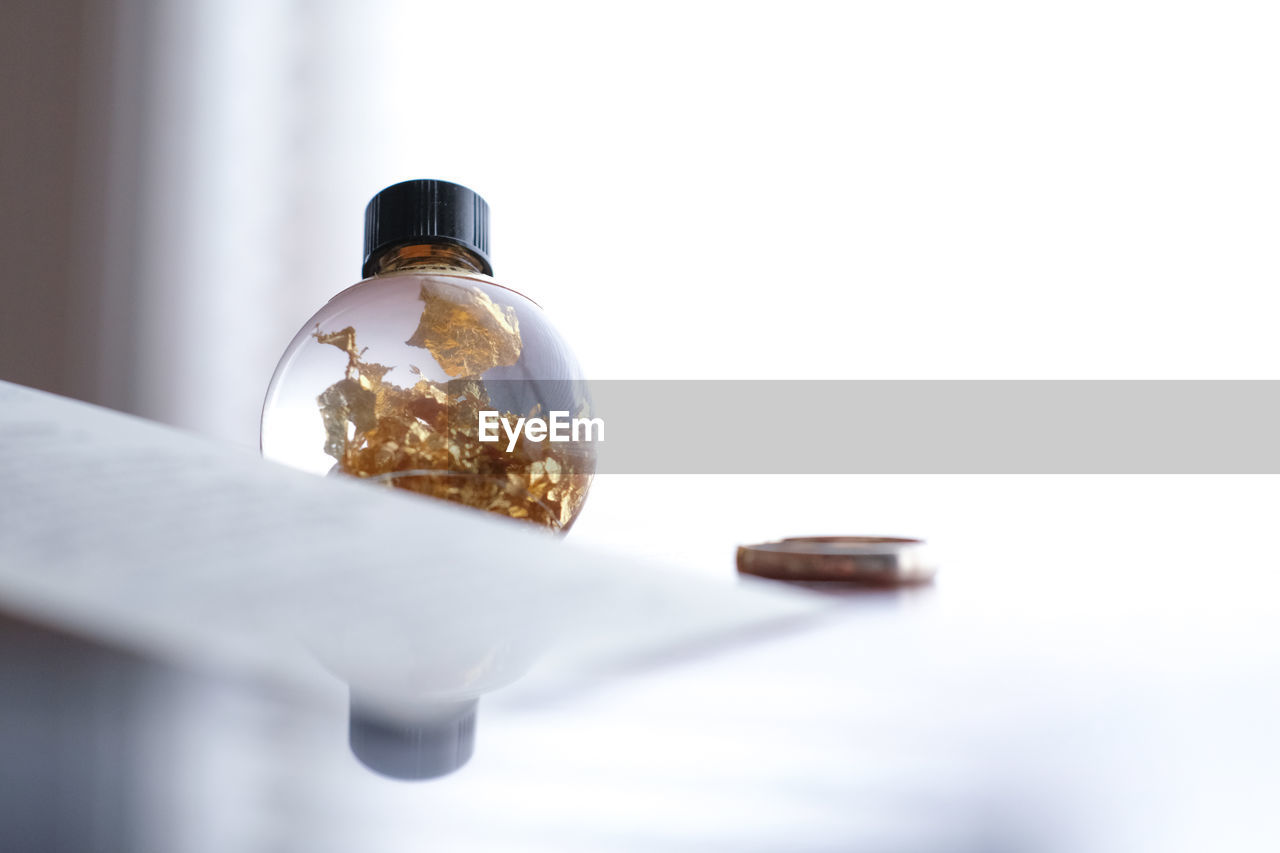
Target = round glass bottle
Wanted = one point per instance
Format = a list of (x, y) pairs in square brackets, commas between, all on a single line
[(418, 376)]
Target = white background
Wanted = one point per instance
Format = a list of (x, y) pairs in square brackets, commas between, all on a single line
[(810, 190), (839, 190)]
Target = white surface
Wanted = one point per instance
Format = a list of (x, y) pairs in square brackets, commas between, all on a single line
[(1096, 669), (131, 533)]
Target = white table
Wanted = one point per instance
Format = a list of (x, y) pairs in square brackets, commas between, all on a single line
[(1095, 669)]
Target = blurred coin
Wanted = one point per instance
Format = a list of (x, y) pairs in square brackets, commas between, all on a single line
[(871, 560)]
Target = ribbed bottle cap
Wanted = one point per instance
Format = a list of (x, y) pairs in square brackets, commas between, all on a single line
[(425, 211)]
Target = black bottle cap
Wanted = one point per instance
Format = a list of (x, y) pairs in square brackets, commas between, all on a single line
[(425, 211)]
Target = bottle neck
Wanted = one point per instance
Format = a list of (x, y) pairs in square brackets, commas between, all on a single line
[(439, 257)]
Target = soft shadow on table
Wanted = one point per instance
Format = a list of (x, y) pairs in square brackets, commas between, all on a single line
[(844, 601)]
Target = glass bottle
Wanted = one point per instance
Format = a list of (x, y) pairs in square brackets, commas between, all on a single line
[(404, 378)]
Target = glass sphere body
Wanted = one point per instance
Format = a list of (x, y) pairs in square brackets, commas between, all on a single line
[(386, 381)]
